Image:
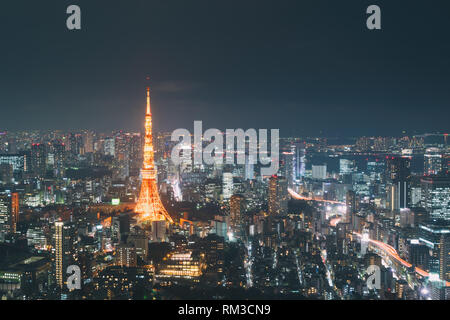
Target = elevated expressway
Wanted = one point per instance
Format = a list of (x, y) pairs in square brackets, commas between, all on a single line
[(387, 251), (296, 196)]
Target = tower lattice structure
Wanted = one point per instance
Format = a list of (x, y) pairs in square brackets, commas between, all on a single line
[(149, 205)]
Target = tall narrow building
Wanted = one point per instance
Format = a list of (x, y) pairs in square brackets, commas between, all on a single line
[(278, 196), (9, 214), (63, 251), (237, 207), (398, 177), (14, 211), (149, 205), (352, 206)]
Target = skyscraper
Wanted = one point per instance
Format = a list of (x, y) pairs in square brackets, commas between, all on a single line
[(319, 172), (300, 165), (63, 254), (237, 206), (288, 167), (392, 197), (9, 214), (88, 141), (249, 168), (436, 236), (227, 185), (352, 205), (18, 161), (109, 146), (76, 144), (5, 216), (346, 166), (398, 174), (59, 152), (278, 195), (432, 161), (14, 211), (436, 196), (38, 158)]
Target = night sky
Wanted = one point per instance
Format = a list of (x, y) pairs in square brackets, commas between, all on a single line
[(303, 66)]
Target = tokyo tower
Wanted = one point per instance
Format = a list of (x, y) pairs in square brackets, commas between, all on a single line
[(149, 205)]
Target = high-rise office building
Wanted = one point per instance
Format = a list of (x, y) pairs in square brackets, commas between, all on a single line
[(352, 206), (9, 214), (5, 216), (346, 166), (76, 144), (278, 195), (135, 151), (17, 161), (237, 207), (39, 159), (416, 196), (436, 196), (319, 171), (59, 155), (14, 200), (435, 234), (88, 141), (249, 168), (375, 169), (109, 146), (418, 254), (392, 197), (227, 185), (288, 167), (63, 255), (398, 177), (432, 161), (300, 162)]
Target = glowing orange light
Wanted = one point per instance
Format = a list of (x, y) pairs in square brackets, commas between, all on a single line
[(149, 205), (393, 253), (296, 196)]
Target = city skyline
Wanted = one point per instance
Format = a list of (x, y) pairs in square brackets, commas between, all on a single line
[(289, 150)]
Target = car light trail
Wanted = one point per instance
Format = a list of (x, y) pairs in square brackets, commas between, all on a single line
[(295, 195), (393, 254)]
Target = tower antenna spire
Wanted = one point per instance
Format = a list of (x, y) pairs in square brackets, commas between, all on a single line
[(148, 100)]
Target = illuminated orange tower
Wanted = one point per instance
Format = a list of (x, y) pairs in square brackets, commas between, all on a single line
[(149, 205)]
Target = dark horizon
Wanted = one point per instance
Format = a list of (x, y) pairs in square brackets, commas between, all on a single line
[(306, 69)]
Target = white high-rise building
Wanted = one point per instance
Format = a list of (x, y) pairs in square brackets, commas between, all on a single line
[(110, 147), (227, 185), (436, 196), (319, 171), (346, 166), (249, 168)]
